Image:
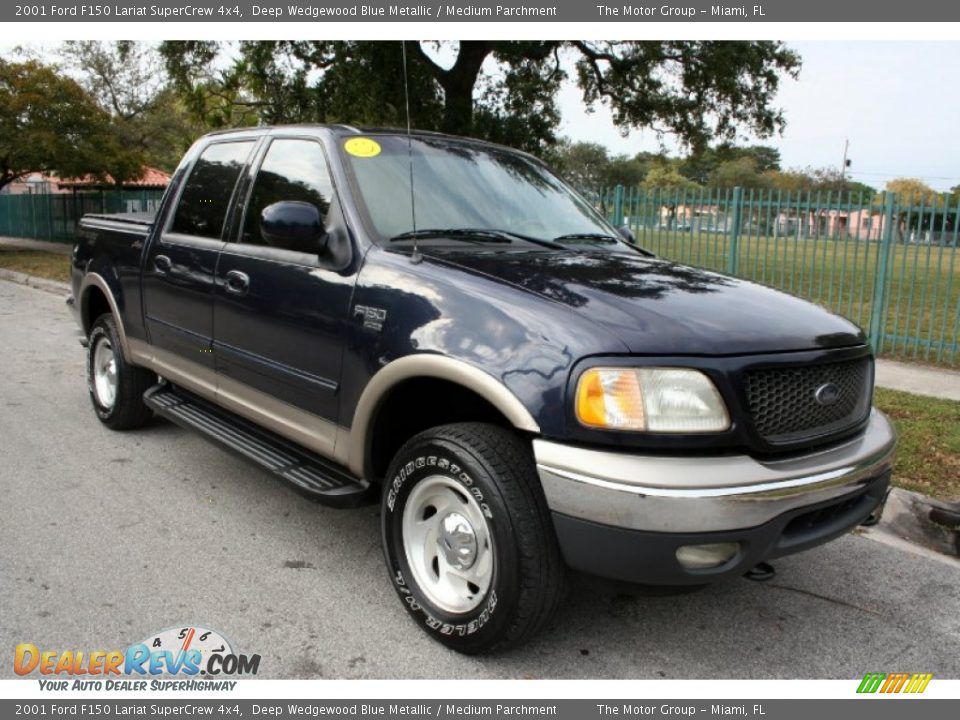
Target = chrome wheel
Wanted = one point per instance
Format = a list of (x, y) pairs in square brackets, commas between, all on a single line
[(447, 544), (105, 373)]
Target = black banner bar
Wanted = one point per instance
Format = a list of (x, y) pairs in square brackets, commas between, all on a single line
[(878, 709), (481, 10)]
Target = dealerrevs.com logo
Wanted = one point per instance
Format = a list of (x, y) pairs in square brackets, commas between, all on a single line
[(199, 656)]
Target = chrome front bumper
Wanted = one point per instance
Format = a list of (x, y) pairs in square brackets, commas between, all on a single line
[(694, 494)]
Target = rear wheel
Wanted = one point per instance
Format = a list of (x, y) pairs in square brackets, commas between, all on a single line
[(116, 387), (468, 538)]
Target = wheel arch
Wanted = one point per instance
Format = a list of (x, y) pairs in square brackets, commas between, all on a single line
[(456, 375), (96, 297)]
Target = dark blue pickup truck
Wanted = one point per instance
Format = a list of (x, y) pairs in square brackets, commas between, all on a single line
[(443, 325)]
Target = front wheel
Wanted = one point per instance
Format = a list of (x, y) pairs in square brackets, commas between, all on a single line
[(468, 538)]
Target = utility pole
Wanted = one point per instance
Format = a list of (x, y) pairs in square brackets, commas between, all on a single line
[(846, 162)]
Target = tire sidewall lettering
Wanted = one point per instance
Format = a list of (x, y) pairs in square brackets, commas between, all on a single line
[(424, 464)]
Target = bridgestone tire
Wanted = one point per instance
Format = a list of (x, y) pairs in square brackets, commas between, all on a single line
[(495, 468), (128, 410)]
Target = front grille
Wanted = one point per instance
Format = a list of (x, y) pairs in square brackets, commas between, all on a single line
[(787, 403)]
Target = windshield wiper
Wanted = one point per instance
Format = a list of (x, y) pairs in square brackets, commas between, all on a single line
[(475, 234), (588, 237)]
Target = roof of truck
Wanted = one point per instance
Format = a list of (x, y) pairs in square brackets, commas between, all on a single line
[(352, 130)]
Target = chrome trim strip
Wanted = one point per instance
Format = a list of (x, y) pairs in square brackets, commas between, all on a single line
[(694, 494), (429, 366)]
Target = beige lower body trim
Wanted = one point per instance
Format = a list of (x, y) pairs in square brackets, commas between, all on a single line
[(299, 426)]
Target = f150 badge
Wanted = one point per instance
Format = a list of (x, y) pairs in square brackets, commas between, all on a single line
[(373, 318)]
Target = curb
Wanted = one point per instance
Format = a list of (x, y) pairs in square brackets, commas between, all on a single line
[(906, 522), (38, 283)]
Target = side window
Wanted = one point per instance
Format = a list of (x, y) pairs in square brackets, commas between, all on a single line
[(292, 170), (206, 194)]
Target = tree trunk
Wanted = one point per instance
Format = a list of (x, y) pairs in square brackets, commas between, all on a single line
[(458, 83)]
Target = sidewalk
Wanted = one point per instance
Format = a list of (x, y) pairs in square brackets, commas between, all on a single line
[(44, 245), (919, 379)]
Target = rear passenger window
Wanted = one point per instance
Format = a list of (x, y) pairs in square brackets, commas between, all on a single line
[(291, 170), (206, 195)]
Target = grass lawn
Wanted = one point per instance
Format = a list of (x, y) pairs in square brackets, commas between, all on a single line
[(36, 262), (928, 447)]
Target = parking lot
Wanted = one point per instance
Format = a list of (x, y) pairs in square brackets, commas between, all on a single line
[(107, 538)]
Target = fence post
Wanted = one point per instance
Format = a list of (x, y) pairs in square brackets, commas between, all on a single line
[(733, 256), (882, 281), (618, 206)]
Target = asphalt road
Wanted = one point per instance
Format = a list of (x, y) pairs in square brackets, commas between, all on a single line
[(108, 537)]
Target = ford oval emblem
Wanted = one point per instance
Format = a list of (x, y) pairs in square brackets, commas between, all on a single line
[(827, 394)]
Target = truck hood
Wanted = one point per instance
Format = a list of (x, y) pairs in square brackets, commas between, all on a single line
[(658, 307)]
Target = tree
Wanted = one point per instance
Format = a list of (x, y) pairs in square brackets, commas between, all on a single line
[(48, 123), (583, 165), (665, 175), (742, 172), (128, 81), (911, 190), (700, 166), (911, 193), (500, 90)]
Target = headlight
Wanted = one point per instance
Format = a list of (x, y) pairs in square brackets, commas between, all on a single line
[(665, 400)]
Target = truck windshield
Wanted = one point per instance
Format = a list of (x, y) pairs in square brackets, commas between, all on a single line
[(460, 186)]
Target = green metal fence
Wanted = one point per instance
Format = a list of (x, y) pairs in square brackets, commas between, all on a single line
[(54, 216), (888, 263)]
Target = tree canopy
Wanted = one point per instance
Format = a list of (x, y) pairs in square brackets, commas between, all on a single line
[(504, 91), (128, 81), (48, 123)]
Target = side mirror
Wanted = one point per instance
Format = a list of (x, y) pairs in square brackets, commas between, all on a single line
[(293, 225), (627, 234)]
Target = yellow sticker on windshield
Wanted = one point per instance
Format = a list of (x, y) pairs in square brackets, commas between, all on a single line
[(362, 147)]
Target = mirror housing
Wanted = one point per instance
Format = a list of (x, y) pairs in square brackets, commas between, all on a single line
[(627, 234), (293, 225)]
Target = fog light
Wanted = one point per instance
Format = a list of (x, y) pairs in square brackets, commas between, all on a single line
[(702, 557)]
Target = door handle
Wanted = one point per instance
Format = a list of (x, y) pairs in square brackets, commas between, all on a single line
[(162, 263), (238, 283)]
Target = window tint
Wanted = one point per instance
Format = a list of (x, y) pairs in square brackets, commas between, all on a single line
[(203, 204), (293, 170)]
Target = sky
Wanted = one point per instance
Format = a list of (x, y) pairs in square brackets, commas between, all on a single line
[(897, 102)]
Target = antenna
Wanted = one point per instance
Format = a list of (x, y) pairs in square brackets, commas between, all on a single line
[(416, 257)]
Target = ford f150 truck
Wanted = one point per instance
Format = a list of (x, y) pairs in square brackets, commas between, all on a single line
[(443, 325)]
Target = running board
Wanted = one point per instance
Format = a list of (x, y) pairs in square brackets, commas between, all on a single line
[(308, 472)]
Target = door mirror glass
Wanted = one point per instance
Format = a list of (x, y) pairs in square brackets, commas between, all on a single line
[(293, 225)]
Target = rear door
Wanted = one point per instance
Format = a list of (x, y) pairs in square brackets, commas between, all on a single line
[(178, 274), (280, 313)]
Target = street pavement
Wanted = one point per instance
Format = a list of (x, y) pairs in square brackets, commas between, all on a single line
[(108, 537)]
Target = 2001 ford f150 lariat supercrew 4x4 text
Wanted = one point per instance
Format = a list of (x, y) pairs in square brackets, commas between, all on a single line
[(443, 324)]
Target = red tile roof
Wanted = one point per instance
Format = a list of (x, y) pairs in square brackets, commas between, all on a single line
[(151, 178)]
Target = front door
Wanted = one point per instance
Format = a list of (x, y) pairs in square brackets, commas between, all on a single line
[(280, 312), (178, 275)]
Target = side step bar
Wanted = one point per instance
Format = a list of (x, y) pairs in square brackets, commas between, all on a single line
[(314, 476)]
